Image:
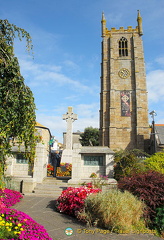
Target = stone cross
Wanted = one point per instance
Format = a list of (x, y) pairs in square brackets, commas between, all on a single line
[(70, 117)]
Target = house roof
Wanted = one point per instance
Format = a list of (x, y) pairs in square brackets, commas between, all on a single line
[(38, 125), (95, 149), (160, 132)]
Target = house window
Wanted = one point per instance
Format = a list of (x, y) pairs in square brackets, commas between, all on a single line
[(93, 160), (20, 158), (123, 47)]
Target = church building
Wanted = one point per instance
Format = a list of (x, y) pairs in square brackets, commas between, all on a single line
[(123, 98)]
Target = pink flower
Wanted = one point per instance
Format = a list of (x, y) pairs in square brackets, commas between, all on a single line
[(31, 229), (71, 201), (10, 197)]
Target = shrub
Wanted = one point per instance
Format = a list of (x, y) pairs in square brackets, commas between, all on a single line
[(128, 162), (93, 175), (113, 210), (72, 199), (7, 182), (148, 187), (156, 162), (98, 182), (159, 220)]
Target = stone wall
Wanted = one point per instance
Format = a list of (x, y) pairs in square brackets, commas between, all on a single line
[(16, 169), (20, 171), (81, 172)]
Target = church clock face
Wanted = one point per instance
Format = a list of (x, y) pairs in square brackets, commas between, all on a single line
[(124, 73)]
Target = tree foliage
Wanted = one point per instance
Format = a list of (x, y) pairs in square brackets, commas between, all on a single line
[(90, 137), (128, 162), (156, 162), (17, 107)]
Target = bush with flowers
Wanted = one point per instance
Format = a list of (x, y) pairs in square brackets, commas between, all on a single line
[(18, 225), (97, 182), (15, 224), (71, 201), (9, 197)]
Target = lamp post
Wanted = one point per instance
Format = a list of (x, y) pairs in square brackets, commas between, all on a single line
[(153, 114)]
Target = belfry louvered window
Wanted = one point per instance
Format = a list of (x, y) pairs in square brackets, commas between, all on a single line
[(123, 47)]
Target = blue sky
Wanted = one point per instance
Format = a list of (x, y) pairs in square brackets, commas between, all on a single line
[(65, 70)]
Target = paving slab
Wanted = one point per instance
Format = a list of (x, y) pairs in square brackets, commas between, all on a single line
[(42, 210)]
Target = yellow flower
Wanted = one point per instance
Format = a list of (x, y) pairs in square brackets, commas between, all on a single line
[(16, 227), (9, 229), (21, 229), (2, 223), (19, 224), (7, 224)]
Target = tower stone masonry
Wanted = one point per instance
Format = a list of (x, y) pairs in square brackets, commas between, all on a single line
[(123, 98)]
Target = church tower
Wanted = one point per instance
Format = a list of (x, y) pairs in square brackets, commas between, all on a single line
[(123, 97)]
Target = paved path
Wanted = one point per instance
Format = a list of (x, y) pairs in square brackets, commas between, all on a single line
[(41, 209)]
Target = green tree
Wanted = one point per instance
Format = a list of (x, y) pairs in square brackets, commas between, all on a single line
[(90, 137), (17, 107), (128, 162)]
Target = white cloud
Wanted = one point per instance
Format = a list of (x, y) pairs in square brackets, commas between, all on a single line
[(114, 19), (88, 110), (160, 60), (71, 65), (54, 123), (81, 124), (155, 85), (45, 74), (88, 115)]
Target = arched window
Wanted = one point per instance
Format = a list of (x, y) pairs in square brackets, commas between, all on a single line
[(123, 47)]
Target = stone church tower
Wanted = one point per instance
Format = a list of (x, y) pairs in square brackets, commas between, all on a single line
[(123, 97)]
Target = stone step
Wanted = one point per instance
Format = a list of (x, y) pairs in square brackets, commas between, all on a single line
[(53, 195), (55, 180), (46, 192), (51, 187)]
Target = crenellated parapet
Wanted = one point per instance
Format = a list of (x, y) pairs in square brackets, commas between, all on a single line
[(130, 29)]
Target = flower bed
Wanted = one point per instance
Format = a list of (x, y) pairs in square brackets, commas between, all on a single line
[(18, 225), (71, 201), (64, 170), (10, 197), (50, 170)]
